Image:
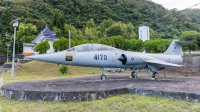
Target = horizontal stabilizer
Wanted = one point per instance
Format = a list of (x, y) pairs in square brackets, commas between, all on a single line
[(185, 42)]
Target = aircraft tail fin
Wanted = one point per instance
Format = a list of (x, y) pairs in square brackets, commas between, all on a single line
[(175, 47), (143, 50)]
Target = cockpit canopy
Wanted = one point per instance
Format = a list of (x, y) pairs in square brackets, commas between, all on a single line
[(91, 47)]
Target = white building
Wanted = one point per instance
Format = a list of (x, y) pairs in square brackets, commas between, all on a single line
[(46, 34), (144, 33), (28, 49)]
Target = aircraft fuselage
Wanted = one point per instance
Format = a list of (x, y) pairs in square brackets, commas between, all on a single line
[(109, 59)]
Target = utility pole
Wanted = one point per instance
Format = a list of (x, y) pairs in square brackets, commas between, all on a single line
[(15, 25), (69, 39), (8, 45), (69, 47)]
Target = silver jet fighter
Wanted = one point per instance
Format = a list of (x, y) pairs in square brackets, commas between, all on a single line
[(106, 57)]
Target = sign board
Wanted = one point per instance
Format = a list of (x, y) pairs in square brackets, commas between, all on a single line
[(69, 58)]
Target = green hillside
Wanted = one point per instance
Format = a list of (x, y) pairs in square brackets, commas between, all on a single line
[(78, 12), (194, 14), (61, 15)]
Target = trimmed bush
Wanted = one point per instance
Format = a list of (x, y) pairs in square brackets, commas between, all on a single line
[(63, 69)]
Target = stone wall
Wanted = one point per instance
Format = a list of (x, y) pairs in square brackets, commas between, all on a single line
[(191, 67), (62, 96), (95, 95)]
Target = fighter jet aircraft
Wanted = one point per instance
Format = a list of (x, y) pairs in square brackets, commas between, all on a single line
[(106, 57)]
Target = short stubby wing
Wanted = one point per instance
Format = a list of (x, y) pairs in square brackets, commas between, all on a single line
[(160, 62)]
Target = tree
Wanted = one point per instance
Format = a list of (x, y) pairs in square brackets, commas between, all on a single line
[(119, 42), (57, 31), (90, 23), (56, 45), (61, 44), (105, 24), (103, 41), (128, 31), (58, 19), (135, 44), (5, 27), (75, 34), (25, 34), (119, 28), (42, 47), (191, 35), (5, 21), (114, 29), (151, 46), (91, 33), (151, 33)]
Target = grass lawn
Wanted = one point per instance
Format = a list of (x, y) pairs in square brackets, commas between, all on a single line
[(122, 103)]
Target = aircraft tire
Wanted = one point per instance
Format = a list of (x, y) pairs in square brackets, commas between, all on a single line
[(155, 75), (134, 75), (103, 77)]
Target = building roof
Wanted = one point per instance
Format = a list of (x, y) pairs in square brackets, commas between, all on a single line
[(45, 34), (52, 37)]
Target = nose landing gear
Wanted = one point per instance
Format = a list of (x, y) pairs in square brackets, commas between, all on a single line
[(103, 76)]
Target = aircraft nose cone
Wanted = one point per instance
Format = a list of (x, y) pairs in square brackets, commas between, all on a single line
[(53, 58)]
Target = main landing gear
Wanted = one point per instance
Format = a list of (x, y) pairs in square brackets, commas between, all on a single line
[(151, 70), (103, 76), (134, 74), (155, 75)]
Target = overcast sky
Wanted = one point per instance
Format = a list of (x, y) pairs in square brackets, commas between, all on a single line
[(179, 4)]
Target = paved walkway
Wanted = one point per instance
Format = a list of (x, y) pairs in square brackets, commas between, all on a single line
[(3, 69)]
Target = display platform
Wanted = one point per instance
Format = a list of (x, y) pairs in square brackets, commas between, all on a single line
[(87, 88)]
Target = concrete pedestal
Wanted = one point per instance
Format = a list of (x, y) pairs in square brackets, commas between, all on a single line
[(89, 88)]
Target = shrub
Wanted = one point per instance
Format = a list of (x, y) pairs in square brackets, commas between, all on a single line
[(63, 69)]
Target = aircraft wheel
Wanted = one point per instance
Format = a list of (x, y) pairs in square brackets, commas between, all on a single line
[(134, 75), (103, 77), (155, 75)]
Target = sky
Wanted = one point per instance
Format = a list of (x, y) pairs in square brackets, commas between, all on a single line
[(179, 4)]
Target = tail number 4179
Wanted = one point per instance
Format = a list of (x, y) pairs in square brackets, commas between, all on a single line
[(100, 57)]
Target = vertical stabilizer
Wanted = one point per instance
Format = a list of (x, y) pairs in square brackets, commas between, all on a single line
[(175, 47)]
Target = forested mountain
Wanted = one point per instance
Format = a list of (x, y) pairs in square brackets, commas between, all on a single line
[(194, 14), (90, 18), (165, 23)]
